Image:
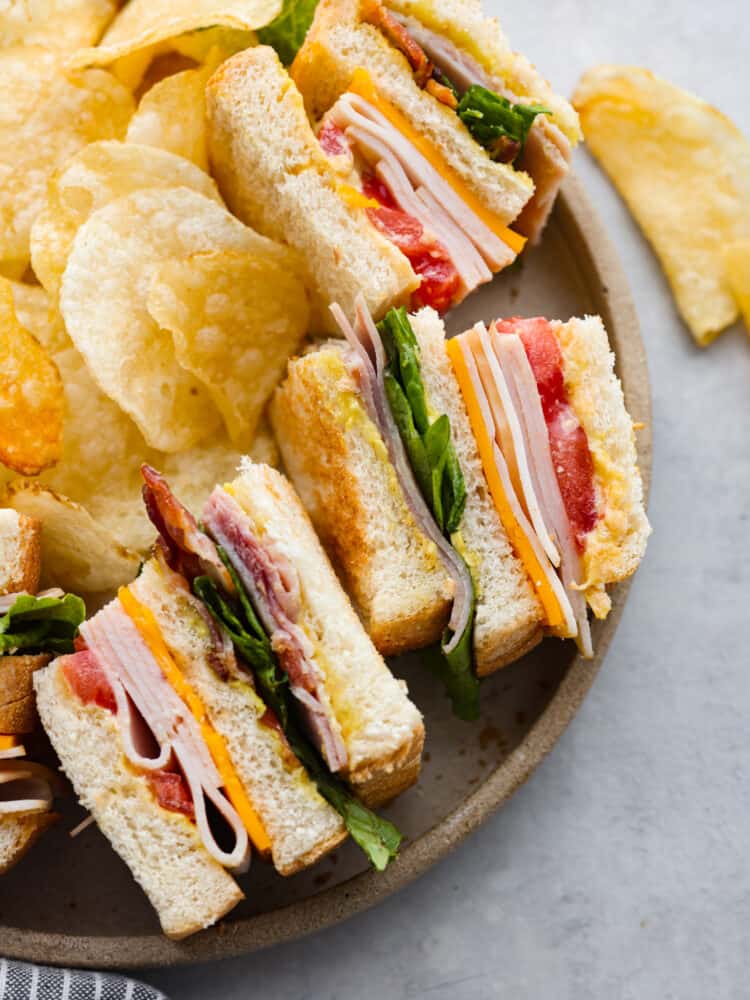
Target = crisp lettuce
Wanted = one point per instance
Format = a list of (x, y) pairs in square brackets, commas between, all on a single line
[(287, 31), (41, 624), (378, 838), (438, 474), (501, 127)]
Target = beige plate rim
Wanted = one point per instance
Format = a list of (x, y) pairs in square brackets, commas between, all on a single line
[(608, 286)]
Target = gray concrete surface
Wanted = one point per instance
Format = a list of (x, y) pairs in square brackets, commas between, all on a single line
[(620, 872)]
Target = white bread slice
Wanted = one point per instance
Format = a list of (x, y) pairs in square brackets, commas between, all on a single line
[(17, 704), (20, 552), (18, 834), (188, 889), (338, 43), (381, 729), (617, 544), (464, 23), (301, 826), (509, 618), (339, 465), (275, 177)]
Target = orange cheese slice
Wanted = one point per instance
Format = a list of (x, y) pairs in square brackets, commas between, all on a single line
[(148, 627), (355, 198), (517, 536), (8, 742), (362, 85)]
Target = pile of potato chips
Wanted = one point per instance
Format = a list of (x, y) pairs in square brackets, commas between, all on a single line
[(139, 320)]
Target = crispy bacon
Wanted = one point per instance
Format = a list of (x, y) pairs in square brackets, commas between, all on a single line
[(571, 456), (272, 583), (397, 34), (185, 548), (172, 792), (441, 93)]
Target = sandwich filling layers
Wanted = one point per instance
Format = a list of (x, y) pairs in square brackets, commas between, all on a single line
[(412, 197)]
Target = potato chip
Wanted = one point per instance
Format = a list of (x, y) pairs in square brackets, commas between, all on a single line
[(172, 116), (95, 176), (103, 302), (46, 115), (145, 27), (684, 170), (35, 314), (738, 269), (78, 553), (14, 270), (235, 319), (101, 468), (31, 396), (54, 24)]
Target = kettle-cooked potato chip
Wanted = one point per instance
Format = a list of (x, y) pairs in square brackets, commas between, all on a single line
[(172, 116), (46, 114), (143, 28), (78, 553), (235, 319), (35, 314), (31, 396), (55, 24), (684, 170), (95, 176), (103, 451), (103, 301), (738, 268)]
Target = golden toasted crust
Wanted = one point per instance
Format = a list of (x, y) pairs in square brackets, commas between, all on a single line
[(388, 777), (19, 833), (490, 657), (311, 857), (17, 703), (20, 552), (319, 452)]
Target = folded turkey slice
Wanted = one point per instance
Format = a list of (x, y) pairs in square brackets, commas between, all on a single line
[(25, 787), (156, 725)]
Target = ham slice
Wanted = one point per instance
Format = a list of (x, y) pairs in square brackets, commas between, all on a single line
[(547, 153), (152, 717), (519, 377), (367, 366), (273, 585), (351, 110)]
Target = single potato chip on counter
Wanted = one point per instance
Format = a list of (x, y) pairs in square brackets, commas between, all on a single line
[(104, 304), (55, 24), (172, 116), (78, 553), (47, 113), (95, 176), (145, 28), (684, 170), (31, 396), (738, 269), (235, 318)]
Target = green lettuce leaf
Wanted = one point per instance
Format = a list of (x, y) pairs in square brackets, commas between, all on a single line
[(41, 624), (287, 31), (378, 838), (495, 123), (428, 443)]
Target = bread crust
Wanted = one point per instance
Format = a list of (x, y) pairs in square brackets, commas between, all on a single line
[(20, 552), (17, 702)]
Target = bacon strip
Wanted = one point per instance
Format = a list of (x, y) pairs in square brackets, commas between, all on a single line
[(369, 371), (273, 586), (136, 678), (397, 34)]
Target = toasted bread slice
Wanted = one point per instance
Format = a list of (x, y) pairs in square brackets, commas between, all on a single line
[(380, 727), (339, 42), (188, 889), (20, 552), (617, 544), (340, 468), (19, 833), (275, 177), (17, 703), (300, 824)]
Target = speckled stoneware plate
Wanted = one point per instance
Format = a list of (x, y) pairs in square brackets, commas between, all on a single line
[(74, 902)]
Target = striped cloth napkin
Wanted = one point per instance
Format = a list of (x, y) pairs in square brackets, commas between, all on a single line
[(19, 981)]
